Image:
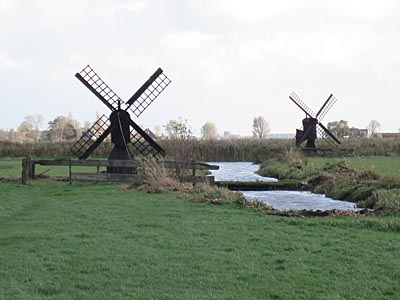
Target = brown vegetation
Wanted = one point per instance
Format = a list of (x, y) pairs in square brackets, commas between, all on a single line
[(256, 150), (160, 180)]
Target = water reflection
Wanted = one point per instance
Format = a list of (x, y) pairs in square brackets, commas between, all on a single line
[(282, 200)]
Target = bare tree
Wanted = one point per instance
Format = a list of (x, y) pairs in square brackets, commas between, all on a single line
[(178, 129), (179, 138), (260, 127), (25, 130), (209, 131), (339, 128), (12, 135), (373, 128), (3, 135), (29, 129), (63, 128)]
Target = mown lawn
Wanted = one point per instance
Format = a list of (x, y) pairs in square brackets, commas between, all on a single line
[(101, 241)]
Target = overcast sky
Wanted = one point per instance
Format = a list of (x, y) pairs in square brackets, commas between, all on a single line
[(229, 60)]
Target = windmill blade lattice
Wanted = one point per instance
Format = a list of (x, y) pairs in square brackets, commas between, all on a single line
[(300, 103), (322, 133), (143, 147), (152, 91), (89, 137), (326, 107), (94, 83)]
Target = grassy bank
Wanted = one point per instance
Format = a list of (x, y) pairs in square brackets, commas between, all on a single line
[(382, 165), (371, 182), (101, 241)]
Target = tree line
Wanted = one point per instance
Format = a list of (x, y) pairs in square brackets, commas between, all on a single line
[(61, 128), (342, 129), (67, 128)]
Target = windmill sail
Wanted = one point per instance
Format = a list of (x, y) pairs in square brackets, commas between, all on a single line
[(119, 123), (143, 143), (326, 107), (312, 123), (90, 136), (327, 135), (98, 87), (148, 92), (300, 103)]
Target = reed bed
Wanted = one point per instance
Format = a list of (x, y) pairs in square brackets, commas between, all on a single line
[(255, 150)]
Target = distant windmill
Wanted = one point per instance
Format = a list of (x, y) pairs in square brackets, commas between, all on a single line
[(312, 123), (119, 122)]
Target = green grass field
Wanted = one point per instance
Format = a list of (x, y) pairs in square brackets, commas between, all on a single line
[(383, 165), (12, 167), (101, 241)]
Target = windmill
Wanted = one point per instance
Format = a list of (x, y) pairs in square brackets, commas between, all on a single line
[(312, 123), (119, 124)]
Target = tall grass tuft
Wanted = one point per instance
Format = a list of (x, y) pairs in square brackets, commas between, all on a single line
[(158, 179), (161, 180)]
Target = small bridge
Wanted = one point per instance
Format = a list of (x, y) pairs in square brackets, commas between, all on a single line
[(261, 185)]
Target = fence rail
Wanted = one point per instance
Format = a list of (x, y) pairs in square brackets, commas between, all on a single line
[(29, 166)]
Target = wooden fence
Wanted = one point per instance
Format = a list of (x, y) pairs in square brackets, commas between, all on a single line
[(29, 169)]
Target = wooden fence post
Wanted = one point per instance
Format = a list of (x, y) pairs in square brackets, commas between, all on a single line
[(26, 169), (32, 168), (70, 172)]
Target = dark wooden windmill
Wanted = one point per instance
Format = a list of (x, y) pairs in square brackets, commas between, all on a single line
[(124, 131), (312, 123)]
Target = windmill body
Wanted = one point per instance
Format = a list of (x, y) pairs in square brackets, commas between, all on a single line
[(120, 137), (312, 124), (125, 133)]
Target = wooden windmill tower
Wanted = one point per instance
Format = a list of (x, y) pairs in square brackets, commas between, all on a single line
[(312, 123), (124, 131)]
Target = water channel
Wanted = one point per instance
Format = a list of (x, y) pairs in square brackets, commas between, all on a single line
[(281, 200)]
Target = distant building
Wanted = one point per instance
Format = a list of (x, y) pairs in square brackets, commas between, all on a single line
[(227, 135), (356, 133), (280, 136), (390, 135)]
